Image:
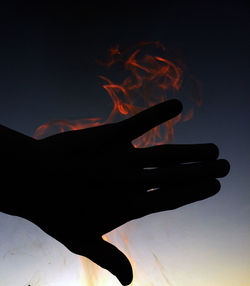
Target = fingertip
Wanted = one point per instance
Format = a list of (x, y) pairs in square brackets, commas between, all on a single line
[(214, 150), (126, 280), (176, 104), (224, 165), (213, 187), (217, 186), (125, 273), (217, 168)]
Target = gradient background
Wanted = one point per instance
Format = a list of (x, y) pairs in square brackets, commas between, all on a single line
[(48, 71)]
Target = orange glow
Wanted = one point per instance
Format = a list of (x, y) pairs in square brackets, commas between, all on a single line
[(150, 79)]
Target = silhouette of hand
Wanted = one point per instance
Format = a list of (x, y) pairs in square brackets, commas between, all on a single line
[(91, 181)]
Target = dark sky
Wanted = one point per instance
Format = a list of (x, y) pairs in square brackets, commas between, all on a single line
[(49, 71), (49, 51)]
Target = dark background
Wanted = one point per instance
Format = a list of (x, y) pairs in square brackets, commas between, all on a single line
[(49, 51)]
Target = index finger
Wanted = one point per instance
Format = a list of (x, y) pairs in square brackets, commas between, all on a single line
[(144, 121)]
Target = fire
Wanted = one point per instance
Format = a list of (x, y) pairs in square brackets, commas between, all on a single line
[(150, 79)]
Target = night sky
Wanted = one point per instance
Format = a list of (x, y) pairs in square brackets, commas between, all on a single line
[(49, 70)]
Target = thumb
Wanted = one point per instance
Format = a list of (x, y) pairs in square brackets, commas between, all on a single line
[(111, 258)]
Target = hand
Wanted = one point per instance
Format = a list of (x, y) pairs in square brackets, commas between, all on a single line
[(91, 181)]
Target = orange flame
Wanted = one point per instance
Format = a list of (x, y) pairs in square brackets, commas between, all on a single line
[(150, 80)]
